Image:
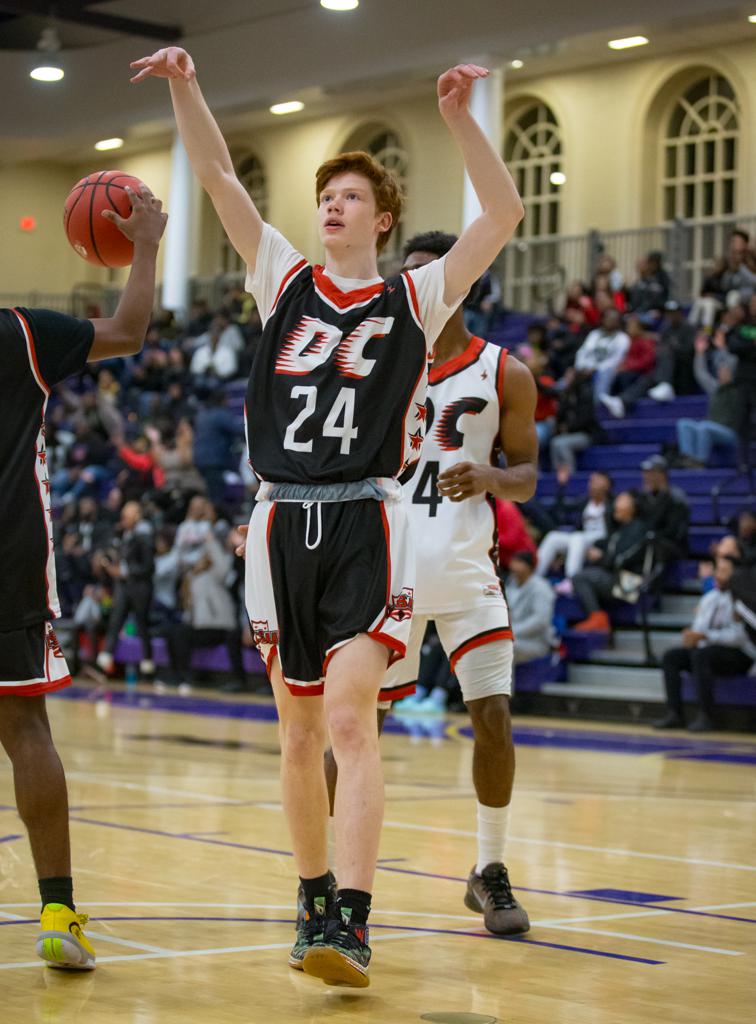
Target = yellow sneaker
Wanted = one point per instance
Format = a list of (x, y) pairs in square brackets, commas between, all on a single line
[(62, 942)]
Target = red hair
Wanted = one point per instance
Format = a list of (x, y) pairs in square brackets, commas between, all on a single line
[(386, 189)]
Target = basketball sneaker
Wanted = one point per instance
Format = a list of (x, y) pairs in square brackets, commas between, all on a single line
[(341, 956), (490, 894), (62, 942), (310, 922)]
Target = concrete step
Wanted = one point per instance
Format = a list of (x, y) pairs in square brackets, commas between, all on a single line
[(679, 604), (673, 621), (610, 683)]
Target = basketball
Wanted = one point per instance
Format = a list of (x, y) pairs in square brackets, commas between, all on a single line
[(95, 238)]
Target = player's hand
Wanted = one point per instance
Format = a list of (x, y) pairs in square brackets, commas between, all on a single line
[(454, 88), (146, 222), (241, 551), (170, 62), (464, 480)]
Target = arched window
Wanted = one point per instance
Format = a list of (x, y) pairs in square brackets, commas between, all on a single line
[(385, 145), (533, 152), (251, 173), (699, 151)]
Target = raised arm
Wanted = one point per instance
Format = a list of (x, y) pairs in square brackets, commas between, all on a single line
[(123, 333), (206, 148), (502, 208)]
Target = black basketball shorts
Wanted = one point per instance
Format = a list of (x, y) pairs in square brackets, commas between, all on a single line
[(31, 661), (320, 574)]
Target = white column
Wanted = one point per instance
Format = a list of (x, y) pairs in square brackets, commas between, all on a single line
[(178, 233), (486, 106)]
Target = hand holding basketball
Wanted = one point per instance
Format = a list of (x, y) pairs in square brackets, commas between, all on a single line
[(454, 88), (146, 222), (170, 62)]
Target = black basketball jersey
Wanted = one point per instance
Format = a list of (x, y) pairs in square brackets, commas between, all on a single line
[(39, 349), (337, 389)]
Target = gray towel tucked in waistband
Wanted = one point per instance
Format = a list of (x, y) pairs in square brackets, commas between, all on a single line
[(354, 491)]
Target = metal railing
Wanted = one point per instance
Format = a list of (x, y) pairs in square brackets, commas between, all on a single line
[(536, 271)]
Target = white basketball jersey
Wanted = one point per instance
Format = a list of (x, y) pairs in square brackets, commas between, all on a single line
[(456, 542)]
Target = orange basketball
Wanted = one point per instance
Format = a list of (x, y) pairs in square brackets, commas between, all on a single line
[(94, 237)]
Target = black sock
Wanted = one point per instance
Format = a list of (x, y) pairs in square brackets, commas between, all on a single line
[(314, 887), (57, 890), (357, 903)]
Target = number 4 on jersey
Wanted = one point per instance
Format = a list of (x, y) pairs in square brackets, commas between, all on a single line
[(342, 408), (428, 481)]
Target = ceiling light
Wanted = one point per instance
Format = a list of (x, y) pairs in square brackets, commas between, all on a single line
[(625, 44), (287, 108), (339, 5), (517, 64), (47, 73), (114, 143), (558, 178), (752, 18)]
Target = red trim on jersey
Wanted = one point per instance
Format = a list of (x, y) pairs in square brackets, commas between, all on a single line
[(397, 650), (287, 277), (489, 637), (32, 352), (500, 372), (460, 362), (48, 541), (35, 689), (397, 692), (344, 299), (413, 296), (272, 653), (316, 690)]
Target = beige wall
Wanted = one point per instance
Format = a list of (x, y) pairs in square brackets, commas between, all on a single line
[(610, 119)]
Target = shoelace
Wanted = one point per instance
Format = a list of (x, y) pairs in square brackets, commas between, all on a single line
[(346, 933), (499, 889)]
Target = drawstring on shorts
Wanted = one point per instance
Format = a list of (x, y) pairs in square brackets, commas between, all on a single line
[(308, 505)]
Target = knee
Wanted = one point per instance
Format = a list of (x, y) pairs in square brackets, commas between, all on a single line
[(492, 724), (26, 732), (302, 742), (351, 731)]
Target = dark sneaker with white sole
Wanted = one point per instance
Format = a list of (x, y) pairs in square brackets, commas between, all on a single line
[(490, 894), (341, 956)]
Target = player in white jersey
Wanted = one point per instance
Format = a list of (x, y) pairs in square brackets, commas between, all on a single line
[(480, 402)]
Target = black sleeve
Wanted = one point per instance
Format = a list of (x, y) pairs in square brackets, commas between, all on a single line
[(62, 343)]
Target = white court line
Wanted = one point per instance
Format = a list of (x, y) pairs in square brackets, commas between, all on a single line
[(645, 938), (104, 937), (144, 788), (183, 954), (576, 846)]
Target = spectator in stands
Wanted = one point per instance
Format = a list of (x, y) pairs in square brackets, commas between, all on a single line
[(651, 290), (209, 614), (740, 339), (142, 471), (739, 278), (565, 338), (674, 360), (608, 274), (165, 579), (602, 352), (637, 365), (605, 297), (595, 516), (200, 319), (546, 405), (711, 298), (726, 414), (130, 564), (216, 430), (181, 478), (624, 550), (193, 532), (576, 426), (531, 607), (512, 532), (716, 644), (481, 304), (214, 360), (665, 510), (579, 298), (746, 534)]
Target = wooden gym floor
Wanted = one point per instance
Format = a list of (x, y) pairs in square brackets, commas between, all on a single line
[(633, 853)]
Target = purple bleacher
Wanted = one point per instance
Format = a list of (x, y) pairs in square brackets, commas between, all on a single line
[(620, 612), (631, 431), (727, 689), (692, 481), (701, 508), (580, 646), (209, 659), (530, 676), (688, 406)]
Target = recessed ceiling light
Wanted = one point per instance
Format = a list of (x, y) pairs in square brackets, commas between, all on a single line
[(517, 64), (287, 108), (339, 5), (558, 178), (752, 18), (625, 44), (47, 73), (109, 144)]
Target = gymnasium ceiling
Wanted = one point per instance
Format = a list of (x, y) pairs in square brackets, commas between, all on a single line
[(251, 53)]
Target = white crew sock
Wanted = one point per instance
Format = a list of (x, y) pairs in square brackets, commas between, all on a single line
[(492, 835)]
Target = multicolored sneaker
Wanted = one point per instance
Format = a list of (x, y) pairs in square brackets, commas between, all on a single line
[(62, 942), (490, 894), (341, 956), (310, 925)]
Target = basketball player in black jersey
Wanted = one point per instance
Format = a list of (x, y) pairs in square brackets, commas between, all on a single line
[(335, 416), (40, 349)]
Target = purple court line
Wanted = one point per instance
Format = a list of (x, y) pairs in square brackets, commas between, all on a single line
[(8, 839), (409, 871), (390, 927)]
